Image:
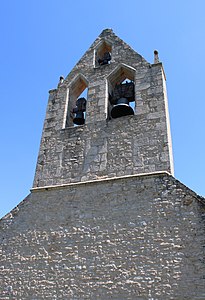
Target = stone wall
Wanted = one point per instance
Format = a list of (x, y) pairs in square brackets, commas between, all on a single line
[(138, 237), (105, 147)]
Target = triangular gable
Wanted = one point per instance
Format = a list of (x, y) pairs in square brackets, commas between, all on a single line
[(109, 37)]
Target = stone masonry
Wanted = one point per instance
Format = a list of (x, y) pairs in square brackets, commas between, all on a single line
[(104, 147), (138, 237), (105, 218)]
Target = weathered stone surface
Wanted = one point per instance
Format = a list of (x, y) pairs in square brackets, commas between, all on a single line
[(103, 147), (105, 219), (130, 238)]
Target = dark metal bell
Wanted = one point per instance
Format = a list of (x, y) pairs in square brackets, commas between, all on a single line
[(79, 118), (121, 109), (105, 59), (79, 111)]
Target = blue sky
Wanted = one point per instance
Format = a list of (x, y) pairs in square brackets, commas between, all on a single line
[(41, 40)]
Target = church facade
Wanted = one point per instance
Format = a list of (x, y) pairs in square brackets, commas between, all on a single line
[(106, 219)]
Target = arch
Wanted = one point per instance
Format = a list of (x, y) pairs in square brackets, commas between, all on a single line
[(78, 84), (75, 89), (117, 79), (120, 73), (104, 46)]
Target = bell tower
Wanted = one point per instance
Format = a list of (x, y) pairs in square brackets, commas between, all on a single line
[(105, 218), (119, 127)]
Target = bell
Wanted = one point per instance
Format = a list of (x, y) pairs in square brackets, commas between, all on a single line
[(79, 111), (79, 118), (105, 59), (121, 109)]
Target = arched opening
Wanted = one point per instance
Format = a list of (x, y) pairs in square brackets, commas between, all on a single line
[(77, 97), (121, 92), (103, 54)]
